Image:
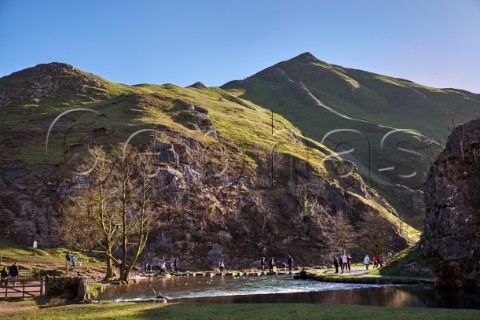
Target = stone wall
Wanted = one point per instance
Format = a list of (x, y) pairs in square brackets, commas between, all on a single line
[(75, 288)]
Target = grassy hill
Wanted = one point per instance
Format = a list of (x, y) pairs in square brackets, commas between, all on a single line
[(52, 113), (124, 109), (319, 98)]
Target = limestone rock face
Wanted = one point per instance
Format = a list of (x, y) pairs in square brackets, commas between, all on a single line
[(452, 197), (45, 80)]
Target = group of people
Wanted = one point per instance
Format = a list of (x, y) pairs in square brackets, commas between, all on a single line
[(12, 272), (271, 264), (344, 262), (71, 260), (263, 264), (162, 267), (375, 261)]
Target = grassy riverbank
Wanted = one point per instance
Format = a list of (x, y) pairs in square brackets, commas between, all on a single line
[(44, 261), (178, 311), (364, 278)]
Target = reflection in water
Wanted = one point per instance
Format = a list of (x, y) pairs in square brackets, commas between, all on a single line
[(284, 289), (391, 296)]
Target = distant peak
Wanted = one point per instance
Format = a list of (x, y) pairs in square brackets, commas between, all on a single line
[(197, 85), (53, 67), (306, 57)]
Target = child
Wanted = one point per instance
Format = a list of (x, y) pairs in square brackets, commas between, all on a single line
[(74, 261)]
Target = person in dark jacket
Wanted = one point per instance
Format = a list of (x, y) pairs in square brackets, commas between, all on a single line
[(175, 265), (335, 263), (4, 276), (13, 272), (290, 264), (68, 258), (262, 264), (272, 264)]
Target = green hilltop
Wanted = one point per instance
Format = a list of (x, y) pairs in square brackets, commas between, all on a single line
[(318, 98)]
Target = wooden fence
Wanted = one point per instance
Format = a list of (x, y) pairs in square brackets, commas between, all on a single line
[(22, 288)]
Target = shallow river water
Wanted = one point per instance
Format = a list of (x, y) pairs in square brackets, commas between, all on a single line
[(285, 289)]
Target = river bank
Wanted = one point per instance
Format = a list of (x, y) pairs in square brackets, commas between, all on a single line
[(360, 277)]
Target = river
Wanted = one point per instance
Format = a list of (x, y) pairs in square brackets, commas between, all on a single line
[(285, 289)]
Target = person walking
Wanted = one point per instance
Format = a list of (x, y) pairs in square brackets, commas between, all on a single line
[(13, 272), (74, 262), (262, 264), (349, 263), (335, 263), (4, 276), (290, 264), (175, 265), (366, 261), (221, 265), (272, 264), (375, 262), (163, 267), (344, 262), (68, 258)]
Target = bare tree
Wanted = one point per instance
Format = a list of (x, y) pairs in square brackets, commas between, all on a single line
[(343, 233), (375, 232), (134, 178), (89, 222), (112, 208)]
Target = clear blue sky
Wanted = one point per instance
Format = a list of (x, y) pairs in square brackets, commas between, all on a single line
[(433, 42)]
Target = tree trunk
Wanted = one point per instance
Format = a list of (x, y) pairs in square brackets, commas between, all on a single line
[(109, 273)]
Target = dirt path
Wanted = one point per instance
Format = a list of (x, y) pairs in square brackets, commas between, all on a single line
[(9, 308), (358, 272)]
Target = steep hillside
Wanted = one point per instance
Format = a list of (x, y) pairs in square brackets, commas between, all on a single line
[(319, 98), (236, 183)]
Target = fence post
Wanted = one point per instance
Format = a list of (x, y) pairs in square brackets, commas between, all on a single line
[(46, 284), (41, 286)]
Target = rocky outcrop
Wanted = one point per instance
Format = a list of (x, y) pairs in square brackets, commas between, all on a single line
[(45, 80), (29, 203), (452, 197), (72, 288)]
